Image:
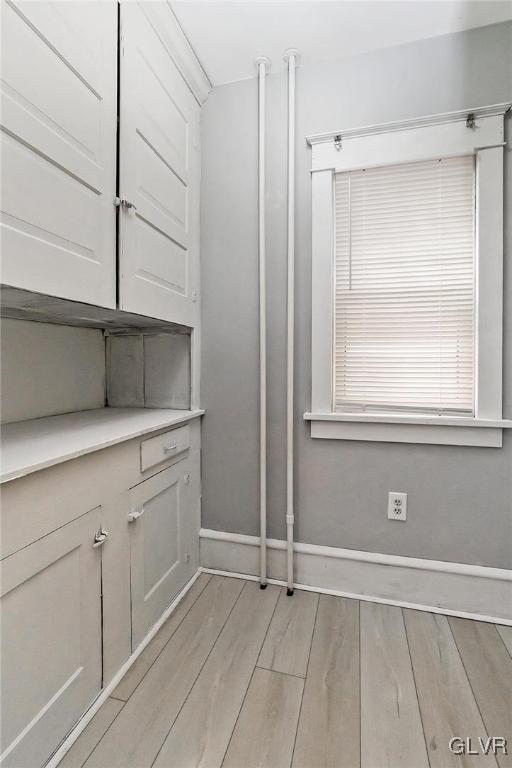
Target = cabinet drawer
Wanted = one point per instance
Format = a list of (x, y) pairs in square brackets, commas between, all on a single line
[(164, 447)]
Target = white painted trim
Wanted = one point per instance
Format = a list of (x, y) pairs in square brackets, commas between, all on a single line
[(195, 368), (387, 144), (445, 566), (489, 283), (322, 290), (105, 693), (407, 433), (408, 428), (410, 418), (415, 122), (409, 145), (365, 598), (444, 587)]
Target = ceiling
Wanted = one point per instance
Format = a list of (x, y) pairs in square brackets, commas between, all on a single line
[(227, 36)]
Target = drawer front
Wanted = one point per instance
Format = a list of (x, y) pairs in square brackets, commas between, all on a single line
[(164, 447)]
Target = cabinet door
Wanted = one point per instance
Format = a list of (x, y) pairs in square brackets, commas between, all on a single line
[(58, 144), (159, 171), (51, 639), (163, 543)]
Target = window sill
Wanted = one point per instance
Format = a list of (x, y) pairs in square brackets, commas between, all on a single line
[(408, 428)]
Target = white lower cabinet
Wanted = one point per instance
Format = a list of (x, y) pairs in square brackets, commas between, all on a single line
[(75, 603), (164, 535), (51, 639)]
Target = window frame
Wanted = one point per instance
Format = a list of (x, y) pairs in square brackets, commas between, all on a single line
[(479, 132)]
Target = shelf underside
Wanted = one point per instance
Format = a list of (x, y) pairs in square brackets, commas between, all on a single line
[(25, 305)]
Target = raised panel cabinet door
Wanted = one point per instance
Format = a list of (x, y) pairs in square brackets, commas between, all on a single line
[(162, 544), (58, 148), (159, 171), (51, 640)]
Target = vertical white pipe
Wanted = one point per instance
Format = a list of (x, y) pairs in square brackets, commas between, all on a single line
[(262, 63), (291, 58)]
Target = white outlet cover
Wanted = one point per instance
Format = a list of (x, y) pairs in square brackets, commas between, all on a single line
[(397, 506)]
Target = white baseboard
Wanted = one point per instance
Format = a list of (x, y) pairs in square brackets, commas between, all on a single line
[(455, 589), (105, 693)]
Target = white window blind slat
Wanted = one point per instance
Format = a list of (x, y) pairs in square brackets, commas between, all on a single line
[(404, 287)]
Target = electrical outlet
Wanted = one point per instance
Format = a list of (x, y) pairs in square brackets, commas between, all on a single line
[(397, 506)]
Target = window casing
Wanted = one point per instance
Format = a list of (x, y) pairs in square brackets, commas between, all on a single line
[(407, 262)]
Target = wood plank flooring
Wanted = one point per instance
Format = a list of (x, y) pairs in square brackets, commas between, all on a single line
[(240, 677), (391, 729), (265, 730), (329, 726)]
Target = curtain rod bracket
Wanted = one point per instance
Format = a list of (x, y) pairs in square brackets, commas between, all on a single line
[(337, 141), (470, 120)]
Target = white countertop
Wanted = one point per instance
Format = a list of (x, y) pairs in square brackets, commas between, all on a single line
[(27, 446)]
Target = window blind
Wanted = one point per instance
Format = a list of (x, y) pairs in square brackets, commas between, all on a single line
[(404, 287)]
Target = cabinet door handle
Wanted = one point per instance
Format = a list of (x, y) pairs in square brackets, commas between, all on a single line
[(170, 448), (118, 201), (135, 514), (100, 538)]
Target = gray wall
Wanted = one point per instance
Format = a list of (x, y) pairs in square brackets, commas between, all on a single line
[(460, 499), (49, 369)]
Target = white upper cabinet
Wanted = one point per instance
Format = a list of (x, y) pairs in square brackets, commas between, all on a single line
[(159, 170), (64, 167), (58, 143)]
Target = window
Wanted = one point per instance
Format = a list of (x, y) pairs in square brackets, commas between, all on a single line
[(404, 280), (407, 264)]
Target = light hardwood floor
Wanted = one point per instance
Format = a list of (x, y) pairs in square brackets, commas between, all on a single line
[(240, 677)]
